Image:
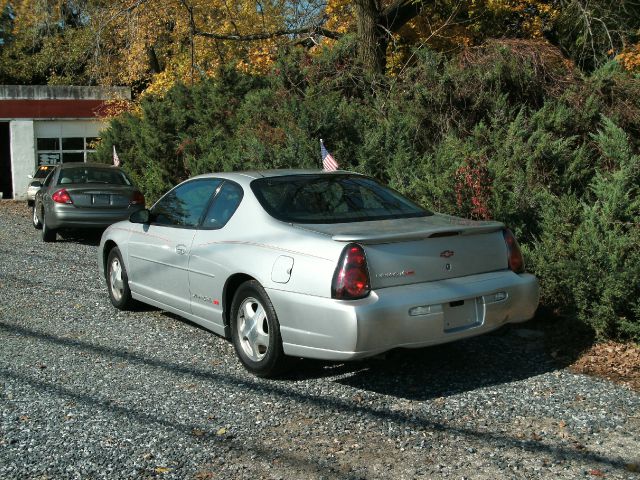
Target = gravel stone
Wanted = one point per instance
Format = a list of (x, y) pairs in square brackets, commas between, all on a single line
[(90, 392)]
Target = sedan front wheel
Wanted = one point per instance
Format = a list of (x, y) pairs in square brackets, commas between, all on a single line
[(255, 331)]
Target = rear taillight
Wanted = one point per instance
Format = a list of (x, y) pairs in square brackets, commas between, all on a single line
[(137, 199), (514, 255), (351, 278), (62, 196)]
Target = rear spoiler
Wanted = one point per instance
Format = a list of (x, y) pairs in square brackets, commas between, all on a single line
[(419, 234)]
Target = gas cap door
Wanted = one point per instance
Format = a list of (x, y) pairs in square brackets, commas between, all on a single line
[(281, 272)]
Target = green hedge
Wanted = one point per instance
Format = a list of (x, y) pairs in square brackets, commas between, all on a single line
[(507, 131)]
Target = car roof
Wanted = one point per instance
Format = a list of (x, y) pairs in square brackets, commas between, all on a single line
[(64, 166), (255, 174)]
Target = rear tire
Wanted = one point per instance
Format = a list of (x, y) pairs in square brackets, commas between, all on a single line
[(255, 331), (48, 234), (118, 281), (34, 219)]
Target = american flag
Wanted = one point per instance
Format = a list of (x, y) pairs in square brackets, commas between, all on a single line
[(116, 158), (328, 162)]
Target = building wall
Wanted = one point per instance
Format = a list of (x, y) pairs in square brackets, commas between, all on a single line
[(24, 147), (67, 119), (23, 155)]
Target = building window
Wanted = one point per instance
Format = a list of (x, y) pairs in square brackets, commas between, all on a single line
[(65, 149)]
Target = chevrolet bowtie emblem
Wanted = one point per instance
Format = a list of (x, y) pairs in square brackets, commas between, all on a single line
[(447, 253)]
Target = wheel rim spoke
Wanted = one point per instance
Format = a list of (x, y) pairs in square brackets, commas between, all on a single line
[(115, 277), (253, 329)]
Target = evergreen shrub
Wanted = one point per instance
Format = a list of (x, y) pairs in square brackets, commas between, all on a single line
[(507, 131)]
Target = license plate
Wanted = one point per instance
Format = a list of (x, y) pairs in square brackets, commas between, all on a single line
[(462, 314), (101, 200)]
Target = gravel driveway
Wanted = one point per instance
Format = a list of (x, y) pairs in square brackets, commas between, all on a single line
[(90, 392)]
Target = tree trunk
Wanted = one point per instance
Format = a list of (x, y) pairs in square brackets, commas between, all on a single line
[(372, 38), (154, 64)]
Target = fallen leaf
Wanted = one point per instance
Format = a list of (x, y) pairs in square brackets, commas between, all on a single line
[(198, 433), (596, 473), (162, 470), (24, 418), (221, 431), (632, 467)]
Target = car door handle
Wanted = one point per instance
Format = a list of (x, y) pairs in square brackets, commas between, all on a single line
[(181, 249)]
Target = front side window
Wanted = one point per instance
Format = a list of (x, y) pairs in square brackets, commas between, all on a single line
[(322, 198), (184, 205)]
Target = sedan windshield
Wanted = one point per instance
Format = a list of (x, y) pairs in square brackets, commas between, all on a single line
[(322, 198), (78, 175)]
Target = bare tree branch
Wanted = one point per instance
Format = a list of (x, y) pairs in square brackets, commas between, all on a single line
[(266, 35), (308, 30), (399, 12)]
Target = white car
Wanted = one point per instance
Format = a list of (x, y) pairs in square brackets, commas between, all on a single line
[(37, 180), (313, 264)]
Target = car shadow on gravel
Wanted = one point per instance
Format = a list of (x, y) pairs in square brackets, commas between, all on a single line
[(510, 354), (85, 237)]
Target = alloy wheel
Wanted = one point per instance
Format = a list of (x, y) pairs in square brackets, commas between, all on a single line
[(253, 329), (116, 284)]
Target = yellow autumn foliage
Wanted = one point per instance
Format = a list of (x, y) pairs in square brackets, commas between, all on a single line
[(630, 58), (153, 44)]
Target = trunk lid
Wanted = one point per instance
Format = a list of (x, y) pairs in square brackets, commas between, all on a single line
[(100, 196), (413, 250)]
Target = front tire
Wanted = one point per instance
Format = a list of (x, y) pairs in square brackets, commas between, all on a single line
[(34, 219), (48, 234), (255, 331), (118, 281)]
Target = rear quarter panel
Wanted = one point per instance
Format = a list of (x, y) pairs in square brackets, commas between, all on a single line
[(252, 242)]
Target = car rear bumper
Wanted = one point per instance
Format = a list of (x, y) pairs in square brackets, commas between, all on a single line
[(69, 216), (409, 316)]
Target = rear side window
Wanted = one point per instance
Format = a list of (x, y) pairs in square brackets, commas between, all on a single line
[(223, 206), (80, 175), (47, 181), (322, 198)]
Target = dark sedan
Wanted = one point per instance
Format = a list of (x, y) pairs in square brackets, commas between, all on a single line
[(84, 195)]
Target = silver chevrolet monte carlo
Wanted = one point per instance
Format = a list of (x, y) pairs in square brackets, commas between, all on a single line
[(332, 266)]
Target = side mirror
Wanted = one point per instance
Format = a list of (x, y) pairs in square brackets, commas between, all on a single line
[(29, 176), (35, 184), (141, 216)]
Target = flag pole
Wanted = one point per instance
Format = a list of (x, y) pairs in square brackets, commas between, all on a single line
[(321, 159)]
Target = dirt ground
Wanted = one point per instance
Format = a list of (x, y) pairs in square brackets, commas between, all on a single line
[(618, 362)]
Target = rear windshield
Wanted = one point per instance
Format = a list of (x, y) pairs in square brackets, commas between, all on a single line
[(79, 175), (322, 198)]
